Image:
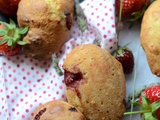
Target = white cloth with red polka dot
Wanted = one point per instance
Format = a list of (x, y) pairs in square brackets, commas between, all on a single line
[(26, 83)]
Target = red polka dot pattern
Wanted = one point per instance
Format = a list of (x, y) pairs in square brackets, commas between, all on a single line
[(101, 25), (27, 83)]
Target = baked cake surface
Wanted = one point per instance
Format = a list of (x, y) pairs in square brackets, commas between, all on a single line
[(150, 36), (95, 83), (57, 110)]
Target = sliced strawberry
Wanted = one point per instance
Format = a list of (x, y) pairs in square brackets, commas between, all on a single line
[(125, 57), (10, 38)]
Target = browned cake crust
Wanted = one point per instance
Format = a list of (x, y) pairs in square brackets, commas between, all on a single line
[(150, 36), (57, 110), (95, 83), (49, 24)]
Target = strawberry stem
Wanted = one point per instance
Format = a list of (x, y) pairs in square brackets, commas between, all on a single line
[(119, 22), (120, 12), (137, 112), (134, 81)]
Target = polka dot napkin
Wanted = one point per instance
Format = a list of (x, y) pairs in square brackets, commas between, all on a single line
[(26, 83)]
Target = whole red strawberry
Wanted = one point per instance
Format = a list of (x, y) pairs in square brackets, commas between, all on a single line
[(151, 95), (10, 38), (9, 7), (149, 103), (130, 7), (126, 58)]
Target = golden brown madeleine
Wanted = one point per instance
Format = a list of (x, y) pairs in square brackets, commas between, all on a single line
[(150, 36), (49, 24), (57, 110), (95, 83)]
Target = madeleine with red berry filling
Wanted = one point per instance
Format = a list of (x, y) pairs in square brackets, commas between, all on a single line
[(57, 110), (95, 83)]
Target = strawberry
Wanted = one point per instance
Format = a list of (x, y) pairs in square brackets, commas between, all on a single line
[(9, 7), (8, 51), (125, 57), (151, 95), (122, 54), (130, 7), (149, 102), (10, 38)]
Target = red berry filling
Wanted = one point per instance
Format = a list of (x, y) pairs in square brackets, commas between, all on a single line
[(68, 21), (72, 109), (37, 117), (72, 80)]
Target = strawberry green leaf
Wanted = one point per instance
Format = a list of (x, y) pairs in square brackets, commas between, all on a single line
[(155, 105), (2, 32), (22, 42), (10, 42), (142, 118), (137, 16), (152, 107), (3, 41), (12, 23), (23, 30), (12, 35), (120, 51), (145, 101), (149, 116), (137, 104), (6, 25)]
